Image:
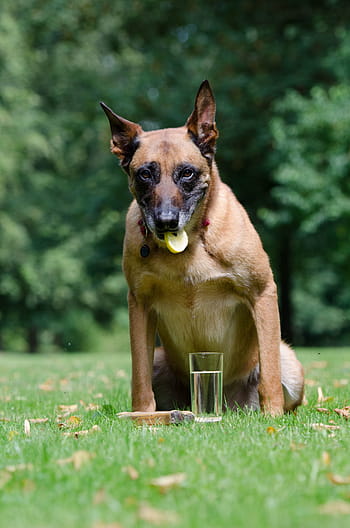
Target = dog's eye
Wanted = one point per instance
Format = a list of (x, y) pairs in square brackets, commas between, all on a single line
[(187, 174), (145, 174)]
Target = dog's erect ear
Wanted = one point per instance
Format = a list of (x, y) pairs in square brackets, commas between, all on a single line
[(124, 136), (201, 123)]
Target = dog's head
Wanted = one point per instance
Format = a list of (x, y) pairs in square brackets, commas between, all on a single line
[(169, 169)]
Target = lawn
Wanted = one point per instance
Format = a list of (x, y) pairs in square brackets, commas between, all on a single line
[(84, 467)]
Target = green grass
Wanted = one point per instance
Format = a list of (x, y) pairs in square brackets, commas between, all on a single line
[(248, 471)]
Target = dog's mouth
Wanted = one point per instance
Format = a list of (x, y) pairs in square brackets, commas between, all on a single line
[(161, 234), (176, 242)]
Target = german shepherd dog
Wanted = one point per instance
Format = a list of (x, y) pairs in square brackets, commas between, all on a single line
[(197, 273)]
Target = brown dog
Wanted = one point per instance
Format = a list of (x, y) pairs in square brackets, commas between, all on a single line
[(197, 273)]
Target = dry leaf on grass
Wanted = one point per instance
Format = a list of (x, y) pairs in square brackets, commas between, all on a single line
[(78, 459), (335, 507), (310, 382), (344, 412), (47, 386), (11, 435), (168, 482), (158, 517), (131, 472), (66, 410), (100, 497), (323, 427), (340, 383), (90, 406), (322, 410), (19, 467), (38, 420), (297, 446), (26, 427), (76, 434), (73, 421), (4, 419), (5, 477), (271, 430), (318, 364), (326, 459), (338, 479)]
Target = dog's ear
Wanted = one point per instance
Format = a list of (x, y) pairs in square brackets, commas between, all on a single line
[(201, 123), (124, 140)]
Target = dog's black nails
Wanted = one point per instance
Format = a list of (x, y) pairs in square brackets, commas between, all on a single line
[(144, 251)]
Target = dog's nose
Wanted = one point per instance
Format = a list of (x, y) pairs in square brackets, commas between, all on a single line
[(166, 221)]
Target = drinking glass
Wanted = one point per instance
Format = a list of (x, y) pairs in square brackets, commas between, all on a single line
[(206, 373)]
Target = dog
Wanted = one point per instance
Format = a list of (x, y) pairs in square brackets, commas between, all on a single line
[(198, 276)]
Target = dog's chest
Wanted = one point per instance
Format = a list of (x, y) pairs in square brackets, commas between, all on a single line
[(195, 309)]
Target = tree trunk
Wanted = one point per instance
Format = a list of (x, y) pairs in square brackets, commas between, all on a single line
[(285, 291), (32, 339)]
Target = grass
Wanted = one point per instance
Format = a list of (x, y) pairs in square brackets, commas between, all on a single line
[(248, 471)]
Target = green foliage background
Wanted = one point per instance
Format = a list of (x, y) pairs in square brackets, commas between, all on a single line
[(280, 72)]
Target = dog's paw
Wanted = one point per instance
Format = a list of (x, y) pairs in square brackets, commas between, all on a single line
[(141, 405)]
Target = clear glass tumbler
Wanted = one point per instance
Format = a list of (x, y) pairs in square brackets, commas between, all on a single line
[(206, 372)]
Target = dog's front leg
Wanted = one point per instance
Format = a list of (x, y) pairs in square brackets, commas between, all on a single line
[(267, 324), (142, 334)]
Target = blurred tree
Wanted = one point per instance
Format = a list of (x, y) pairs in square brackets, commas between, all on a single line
[(62, 196), (312, 139)]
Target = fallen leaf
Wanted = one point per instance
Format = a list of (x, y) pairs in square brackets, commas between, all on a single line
[(297, 447), (19, 467), (326, 459), (28, 485), (66, 410), (3, 419), (338, 479), (271, 430), (150, 462), (322, 410), (47, 386), (5, 477), (167, 482), (78, 459), (84, 432), (100, 497), (322, 426), (92, 407), (318, 364), (154, 516), (11, 435), (73, 421), (26, 427), (38, 420), (310, 382), (131, 472), (340, 383), (344, 412), (335, 507)]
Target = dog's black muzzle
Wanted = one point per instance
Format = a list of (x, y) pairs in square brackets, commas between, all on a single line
[(165, 221)]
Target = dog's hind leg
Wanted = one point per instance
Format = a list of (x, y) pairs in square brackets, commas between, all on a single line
[(169, 392), (243, 393)]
